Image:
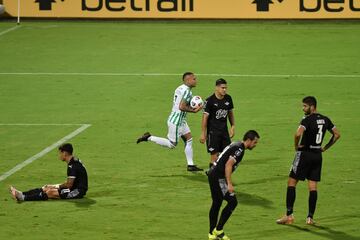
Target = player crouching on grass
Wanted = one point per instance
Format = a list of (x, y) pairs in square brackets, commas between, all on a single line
[(221, 186), (75, 186)]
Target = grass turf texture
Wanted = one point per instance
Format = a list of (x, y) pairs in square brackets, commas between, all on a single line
[(143, 191)]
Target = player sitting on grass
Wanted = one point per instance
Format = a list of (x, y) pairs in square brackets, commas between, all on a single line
[(75, 186)]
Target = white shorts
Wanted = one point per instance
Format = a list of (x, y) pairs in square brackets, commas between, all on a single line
[(175, 131)]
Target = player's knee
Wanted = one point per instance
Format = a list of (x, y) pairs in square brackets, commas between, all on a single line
[(52, 194), (312, 186), (172, 145), (44, 195), (233, 202), (216, 204)]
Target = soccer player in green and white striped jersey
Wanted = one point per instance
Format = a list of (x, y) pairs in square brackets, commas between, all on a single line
[(177, 125)]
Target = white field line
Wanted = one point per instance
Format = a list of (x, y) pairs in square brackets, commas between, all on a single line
[(42, 124), (9, 30), (44, 151), (179, 74)]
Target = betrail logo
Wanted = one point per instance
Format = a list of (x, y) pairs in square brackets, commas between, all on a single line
[(262, 5), (45, 5)]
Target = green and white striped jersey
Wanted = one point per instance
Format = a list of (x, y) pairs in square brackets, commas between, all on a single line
[(177, 116)]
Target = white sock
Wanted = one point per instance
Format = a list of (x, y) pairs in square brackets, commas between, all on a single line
[(162, 141), (189, 152)]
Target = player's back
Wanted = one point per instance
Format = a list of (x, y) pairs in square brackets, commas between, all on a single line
[(81, 178), (235, 150), (315, 126)]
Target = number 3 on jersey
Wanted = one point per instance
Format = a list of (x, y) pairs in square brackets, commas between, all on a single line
[(319, 134)]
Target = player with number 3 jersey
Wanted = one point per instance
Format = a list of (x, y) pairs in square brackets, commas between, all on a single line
[(308, 157)]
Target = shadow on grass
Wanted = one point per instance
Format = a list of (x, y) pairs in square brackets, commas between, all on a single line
[(266, 180), (254, 200), (325, 232), (243, 198), (83, 202), (197, 177)]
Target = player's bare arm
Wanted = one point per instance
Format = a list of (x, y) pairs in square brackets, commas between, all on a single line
[(204, 123), (335, 136), (232, 124), (228, 171), (68, 184), (186, 108), (50, 186), (298, 135)]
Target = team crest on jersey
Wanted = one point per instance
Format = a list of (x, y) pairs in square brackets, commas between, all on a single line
[(238, 152)]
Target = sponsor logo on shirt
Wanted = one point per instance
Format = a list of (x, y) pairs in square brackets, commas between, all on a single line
[(221, 113)]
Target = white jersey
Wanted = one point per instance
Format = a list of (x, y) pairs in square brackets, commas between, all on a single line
[(177, 116)]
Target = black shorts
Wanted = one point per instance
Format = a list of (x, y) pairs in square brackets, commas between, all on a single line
[(219, 188), (66, 193), (217, 141), (306, 165)]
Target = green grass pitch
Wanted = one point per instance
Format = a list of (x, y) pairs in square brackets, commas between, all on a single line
[(143, 191)]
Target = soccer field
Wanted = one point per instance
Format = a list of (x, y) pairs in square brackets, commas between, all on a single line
[(119, 77)]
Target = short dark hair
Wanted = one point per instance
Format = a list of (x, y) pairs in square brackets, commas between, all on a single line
[(310, 100), (66, 147), (220, 81), (251, 134), (186, 74)]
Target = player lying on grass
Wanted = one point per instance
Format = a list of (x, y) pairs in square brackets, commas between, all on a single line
[(75, 186)]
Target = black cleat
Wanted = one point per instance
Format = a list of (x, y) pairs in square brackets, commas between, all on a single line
[(144, 137), (194, 168)]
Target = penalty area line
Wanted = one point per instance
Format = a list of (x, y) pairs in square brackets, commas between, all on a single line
[(42, 124), (43, 152)]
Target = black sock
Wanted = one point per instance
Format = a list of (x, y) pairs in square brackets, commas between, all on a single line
[(33, 191), (290, 199), (35, 195), (312, 203)]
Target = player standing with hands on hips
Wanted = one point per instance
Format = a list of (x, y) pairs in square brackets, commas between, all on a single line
[(214, 129), (308, 157)]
